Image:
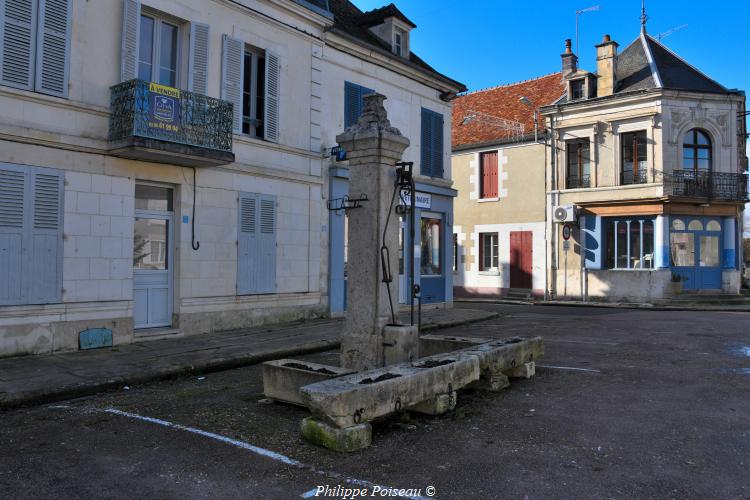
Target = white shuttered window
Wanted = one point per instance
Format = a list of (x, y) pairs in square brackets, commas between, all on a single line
[(35, 45)]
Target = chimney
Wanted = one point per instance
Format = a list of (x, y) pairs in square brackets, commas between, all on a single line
[(569, 60), (606, 66)]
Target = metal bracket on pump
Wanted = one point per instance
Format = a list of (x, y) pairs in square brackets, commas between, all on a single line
[(405, 183)]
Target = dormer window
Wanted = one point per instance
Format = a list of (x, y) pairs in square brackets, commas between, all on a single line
[(398, 43), (577, 89)]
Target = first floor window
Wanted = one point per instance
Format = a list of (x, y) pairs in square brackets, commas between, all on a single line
[(430, 247), (157, 50), (253, 91), (488, 167), (634, 158), (578, 164), (488, 252), (630, 243)]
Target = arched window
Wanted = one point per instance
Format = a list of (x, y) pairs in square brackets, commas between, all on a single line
[(696, 152)]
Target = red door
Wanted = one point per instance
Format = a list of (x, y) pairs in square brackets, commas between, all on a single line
[(520, 259)]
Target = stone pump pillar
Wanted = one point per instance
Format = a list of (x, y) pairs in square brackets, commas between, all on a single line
[(370, 339)]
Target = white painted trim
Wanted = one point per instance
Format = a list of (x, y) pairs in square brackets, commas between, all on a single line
[(651, 63)]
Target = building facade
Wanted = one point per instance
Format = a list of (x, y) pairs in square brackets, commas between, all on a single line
[(499, 158), (370, 52), (647, 178), (161, 167)]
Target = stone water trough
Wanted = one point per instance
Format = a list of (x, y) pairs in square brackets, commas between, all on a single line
[(342, 407)]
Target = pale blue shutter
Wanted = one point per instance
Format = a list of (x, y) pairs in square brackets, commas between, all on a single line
[(45, 236), (13, 193), (266, 262), (272, 97), (198, 63), (247, 243), (131, 24), (17, 43), (232, 69), (53, 47)]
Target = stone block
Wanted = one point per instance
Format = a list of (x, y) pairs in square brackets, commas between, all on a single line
[(400, 344), (526, 370), (499, 356), (282, 378), (437, 405), (347, 439), (365, 396), (430, 345), (493, 382)]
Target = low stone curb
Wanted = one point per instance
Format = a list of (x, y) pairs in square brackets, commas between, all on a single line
[(52, 395), (613, 305)]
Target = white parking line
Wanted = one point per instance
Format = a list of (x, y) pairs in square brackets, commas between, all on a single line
[(581, 341), (241, 444), (568, 368)]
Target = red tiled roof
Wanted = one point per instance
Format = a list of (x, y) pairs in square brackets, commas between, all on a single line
[(502, 102)]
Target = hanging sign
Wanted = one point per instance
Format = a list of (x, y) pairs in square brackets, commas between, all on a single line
[(566, 232), (163, 109), (424, 200)]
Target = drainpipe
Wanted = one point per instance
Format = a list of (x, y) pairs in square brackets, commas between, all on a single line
[(555, 198)]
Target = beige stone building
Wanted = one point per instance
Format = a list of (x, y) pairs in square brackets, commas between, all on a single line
[(499, 158), (165, 164), (647, 176)]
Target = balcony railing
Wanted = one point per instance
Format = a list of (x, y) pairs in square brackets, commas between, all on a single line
[(575, 182), (177, 123), (711, 185), (630, 177)]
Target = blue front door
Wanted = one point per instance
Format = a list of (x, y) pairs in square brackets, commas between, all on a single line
[(696, 250)]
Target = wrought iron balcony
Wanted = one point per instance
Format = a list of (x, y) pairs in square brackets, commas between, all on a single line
[(157, 123), (576, 182), (631, 177), (710, 185)]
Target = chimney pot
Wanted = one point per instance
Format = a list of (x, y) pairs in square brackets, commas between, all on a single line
[(606, 39), (568, 46)]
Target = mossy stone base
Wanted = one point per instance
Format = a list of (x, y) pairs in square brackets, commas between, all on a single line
[(494, 382), (347, 439), (526, 370), (437, 405)]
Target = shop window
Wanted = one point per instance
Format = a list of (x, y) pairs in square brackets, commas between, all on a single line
[(682, 249), (713, 226), (488, 252), (695, 225), (678, 225), (630, 243), (578, 164), (634, 158), (430, 247)]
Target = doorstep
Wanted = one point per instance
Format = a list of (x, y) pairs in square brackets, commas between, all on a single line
[(150, 334)]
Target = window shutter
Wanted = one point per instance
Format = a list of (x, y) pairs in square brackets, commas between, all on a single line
[(247, 244), (45, 233), (273, 89), (354, 102), (53, 42), (426, 146), (266, 270), (17, 23), (131, 24), (198, 65), (489, 174), (232, 69), (437, 144), (13, 193)]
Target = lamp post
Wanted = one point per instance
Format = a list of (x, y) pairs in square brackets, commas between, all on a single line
[(527, 102)]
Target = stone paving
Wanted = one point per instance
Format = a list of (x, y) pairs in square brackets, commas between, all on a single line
[(38, 379)]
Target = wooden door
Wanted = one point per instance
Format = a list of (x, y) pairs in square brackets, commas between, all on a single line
[(520, 259)]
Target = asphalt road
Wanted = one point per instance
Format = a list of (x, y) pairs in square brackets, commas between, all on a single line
[(625, 404)]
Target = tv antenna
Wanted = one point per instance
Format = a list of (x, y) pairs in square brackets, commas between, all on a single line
[(670, 31), (578, 14), (515, 128)]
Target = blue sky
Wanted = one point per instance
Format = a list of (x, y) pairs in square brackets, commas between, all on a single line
[(483, 43)]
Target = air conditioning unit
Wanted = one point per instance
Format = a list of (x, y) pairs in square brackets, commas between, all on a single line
[(564, 213)]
